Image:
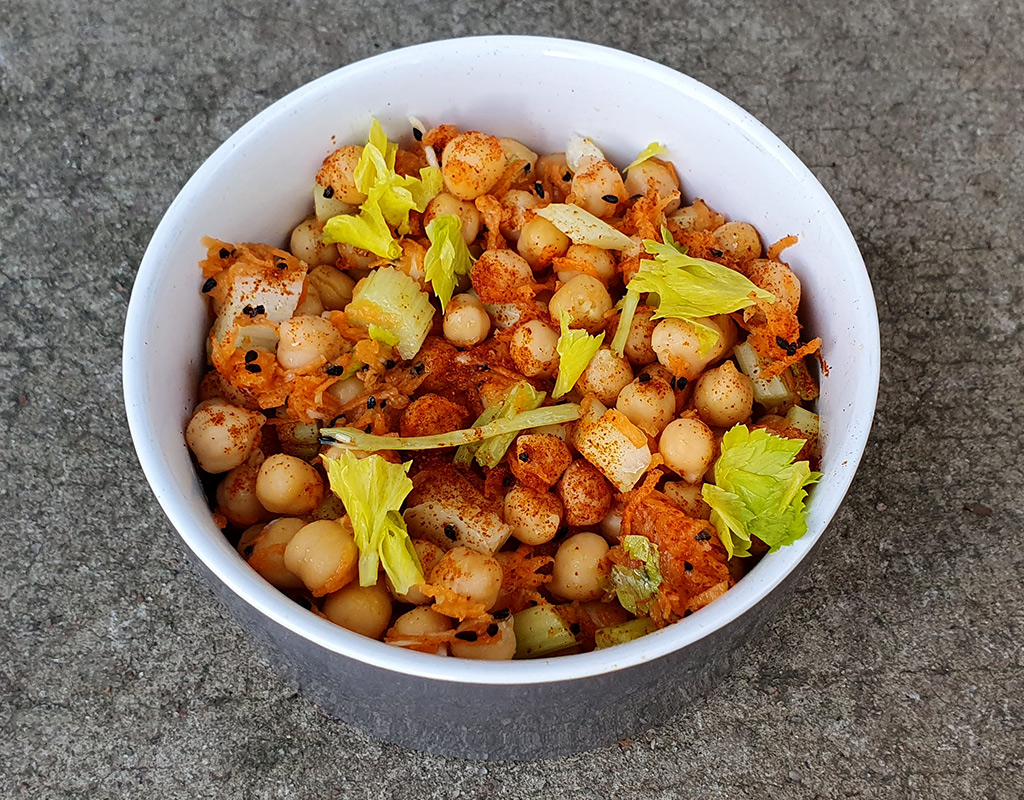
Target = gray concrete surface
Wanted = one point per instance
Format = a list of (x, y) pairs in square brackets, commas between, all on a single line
[(896, 671)]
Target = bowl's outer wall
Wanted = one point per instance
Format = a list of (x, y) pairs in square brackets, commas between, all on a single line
[(503, 721), (257, 186)]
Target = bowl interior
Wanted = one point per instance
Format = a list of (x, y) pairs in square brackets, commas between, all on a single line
[(257, 186)]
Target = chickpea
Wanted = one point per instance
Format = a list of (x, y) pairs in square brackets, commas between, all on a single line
[(330, 508), (533, 516), (554, 172), (585, 299), (288, 485), (598, 188), (516, 202), (687, 445), (324, 555), (215, 386), (334, 287), (688, 496), (539, 459), (248, 537), (605, 376), (600, 259), (653, 174), (638, 349), (465, 321), (347, 390), (500, 646), (429, 554), (338, 172), (678, 348), (471, 164), (724, 396), (310, 304), (698, 217), (413, 260), (306, 339), (727, 336), (307, 243), (422, 621), (681, 388), (585, 493), (580, 568), (611, 526), (469, 574), (363, 609), (236, 497), (266, 553), (649, 404), (777, 278), (532, 349), (221, 435), (540, 243), (498, 274), (739, 240), (467, 213)]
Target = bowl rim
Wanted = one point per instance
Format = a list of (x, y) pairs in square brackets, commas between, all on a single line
[(268, 601)]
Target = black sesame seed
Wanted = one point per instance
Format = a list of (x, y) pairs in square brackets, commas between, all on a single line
[(574, 629), (567, 177), (417, 134), (687, 566), (253, 368), (672, 383), (716, 253), (450, 532), (390, 363), (210, 285), (507, 481), (249, 311), (681, 383), (260, 310), (703, 536), (383, 403), (364, 367), (492, 629), (502, 614), (329, 192), (789, 347), (233, 253), (367, 429), (466, 636), (539, 190), (334, 370), (610, 198), (334, 423), (251, 356), (371, 402), (636, 197), (687, 613), (224, 252), (418, 368), (247, 550), (524, 456), (645, 378), (526, 169)]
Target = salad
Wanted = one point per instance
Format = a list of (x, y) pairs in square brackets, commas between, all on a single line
[(494, 404)]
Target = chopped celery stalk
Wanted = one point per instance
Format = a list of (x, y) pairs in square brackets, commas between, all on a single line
[(630, 302), (769, 393), (521, 397), (583, 227), (623, 632), (803, 420), (540, 632), (391, 300), (464, 455), (383, 335), (355, 439)]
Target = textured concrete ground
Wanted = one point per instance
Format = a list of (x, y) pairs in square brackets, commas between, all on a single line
[(896, 672)]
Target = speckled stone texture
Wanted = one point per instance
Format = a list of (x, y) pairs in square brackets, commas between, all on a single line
[(897, 669)]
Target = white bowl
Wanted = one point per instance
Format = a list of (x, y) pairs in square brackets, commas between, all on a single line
[(257, 185)]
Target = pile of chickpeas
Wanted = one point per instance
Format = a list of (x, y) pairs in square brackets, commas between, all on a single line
[(271, 491)]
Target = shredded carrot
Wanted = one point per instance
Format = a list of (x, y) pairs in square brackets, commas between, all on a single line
[(775, 250)]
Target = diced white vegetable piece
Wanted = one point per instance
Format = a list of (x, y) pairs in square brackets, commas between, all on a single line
[(258, 336), (578, 148), (613, 444), (279, 295), (445, 501)]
